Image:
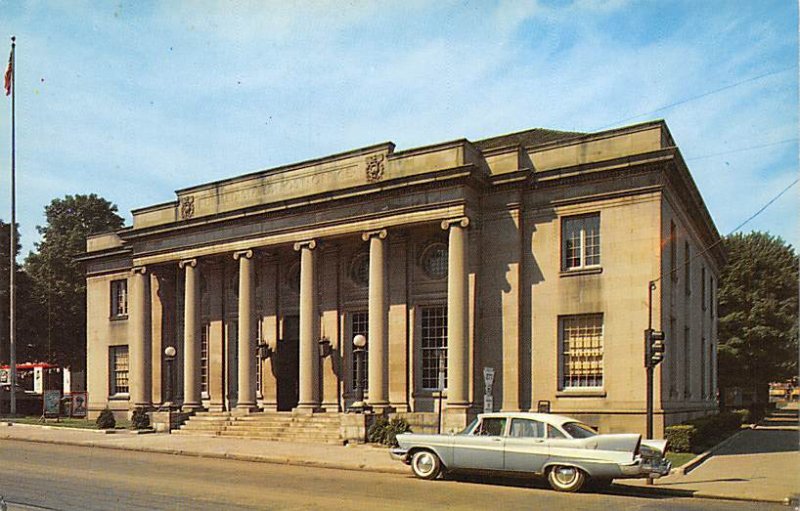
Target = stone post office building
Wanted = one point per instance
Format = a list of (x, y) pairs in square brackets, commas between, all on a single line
[(527, 253)]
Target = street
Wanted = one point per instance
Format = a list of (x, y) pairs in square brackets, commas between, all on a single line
[(46, 476)]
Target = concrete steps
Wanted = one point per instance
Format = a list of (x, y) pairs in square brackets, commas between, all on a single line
[(275, 426)]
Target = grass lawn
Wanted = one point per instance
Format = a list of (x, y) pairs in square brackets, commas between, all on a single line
[(65, 422), (679, 458)]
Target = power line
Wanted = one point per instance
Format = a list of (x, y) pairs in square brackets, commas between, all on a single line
[(686, 100), (707, 249), (743, 149)]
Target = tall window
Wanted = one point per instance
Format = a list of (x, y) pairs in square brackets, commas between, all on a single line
[(119, 298), (118, 365), (204, 359), (687, 268), (580, 242), (581, 350), (672, 359), (687, 365), (673, 252), (434, 345), (703, 287), (359, 324)]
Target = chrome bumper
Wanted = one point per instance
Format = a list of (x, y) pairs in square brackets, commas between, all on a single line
[(641, 468), (399, 454)]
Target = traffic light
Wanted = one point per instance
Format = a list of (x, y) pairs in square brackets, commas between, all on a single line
[(653, 347)]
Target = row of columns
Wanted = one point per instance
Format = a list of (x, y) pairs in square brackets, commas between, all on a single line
[(457, 319)]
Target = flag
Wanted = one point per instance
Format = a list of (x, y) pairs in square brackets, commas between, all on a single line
[(9, 74)]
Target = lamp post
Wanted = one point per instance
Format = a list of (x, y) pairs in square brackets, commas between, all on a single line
[(441, 359), (169, 359), (359, 342)]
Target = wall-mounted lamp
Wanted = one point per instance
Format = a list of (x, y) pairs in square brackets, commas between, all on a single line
[(264, 350), (325, 348)]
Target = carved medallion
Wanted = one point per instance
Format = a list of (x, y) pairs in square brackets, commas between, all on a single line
[(187, 207), (375, 167)]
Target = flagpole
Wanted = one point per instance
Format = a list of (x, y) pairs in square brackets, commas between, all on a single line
[(12, 241)]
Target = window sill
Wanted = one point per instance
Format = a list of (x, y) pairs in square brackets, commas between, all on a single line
[(118, 318), (581, 393), (119, 397), (580, 271)]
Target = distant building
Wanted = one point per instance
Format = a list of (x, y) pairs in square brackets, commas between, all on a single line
[(527, 253)]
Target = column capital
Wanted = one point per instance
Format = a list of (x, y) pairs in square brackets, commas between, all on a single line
[(187, 262), (247, 254), (139, 270), (380, 233), (461, 222), (309, 244)]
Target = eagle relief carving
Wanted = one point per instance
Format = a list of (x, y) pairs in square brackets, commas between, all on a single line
[(187, 207), (375, 167)]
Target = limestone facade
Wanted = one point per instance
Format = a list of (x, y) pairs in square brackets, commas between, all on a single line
[(528, 253)]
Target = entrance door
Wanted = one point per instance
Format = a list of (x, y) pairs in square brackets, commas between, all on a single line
[(232, 369), (288, 362)]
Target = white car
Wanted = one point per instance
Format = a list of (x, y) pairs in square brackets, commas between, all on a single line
[(560, 448)]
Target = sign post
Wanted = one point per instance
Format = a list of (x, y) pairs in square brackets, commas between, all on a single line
[(488, 381)]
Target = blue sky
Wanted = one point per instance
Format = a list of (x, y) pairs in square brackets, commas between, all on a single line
[(133, 100)]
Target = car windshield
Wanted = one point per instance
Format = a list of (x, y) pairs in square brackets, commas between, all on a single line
[(468, 429), (578, 430)]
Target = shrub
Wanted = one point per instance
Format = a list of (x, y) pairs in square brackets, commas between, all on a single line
[(106, 420), (680, 437), (744, 415), (384, 431), (140, 419)]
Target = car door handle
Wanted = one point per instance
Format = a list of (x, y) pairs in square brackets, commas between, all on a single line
[(497, 439)]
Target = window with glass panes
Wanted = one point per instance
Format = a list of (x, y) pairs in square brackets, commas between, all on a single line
[(204, 359), (434, 345), (581, 347), (580, 242), (119, 298), (118, 362), (359, 324)]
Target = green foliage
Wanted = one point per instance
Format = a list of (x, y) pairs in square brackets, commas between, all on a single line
[(680, 437), (384, 431), (758, 305), (106, 420), (140, 419), (699, 434), (58, 280), (744, 415)]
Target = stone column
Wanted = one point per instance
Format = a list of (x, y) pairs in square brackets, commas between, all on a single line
[(247, 333), (140, 343), (191, 337), (376, 336), (457, 314), (309, 354)]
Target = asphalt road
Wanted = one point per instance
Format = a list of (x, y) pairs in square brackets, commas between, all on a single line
[(41, 476)]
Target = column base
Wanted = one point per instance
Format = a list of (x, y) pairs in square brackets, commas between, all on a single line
[(381, 408), (192, 407), (359, 407), (245, 408), (307, 409)]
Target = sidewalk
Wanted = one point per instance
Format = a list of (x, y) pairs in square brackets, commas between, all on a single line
[(762, 464)]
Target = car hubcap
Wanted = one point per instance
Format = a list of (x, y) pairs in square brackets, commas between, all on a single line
[(565, 475), (424, 463)]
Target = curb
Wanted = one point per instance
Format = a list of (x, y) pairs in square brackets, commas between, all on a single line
[(700, 458), (650, 491), (276, 460)]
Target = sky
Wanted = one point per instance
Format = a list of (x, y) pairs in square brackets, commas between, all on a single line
[(134, 100)]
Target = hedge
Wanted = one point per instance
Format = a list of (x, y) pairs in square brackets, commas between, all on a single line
[(698, 434), (384, 431)]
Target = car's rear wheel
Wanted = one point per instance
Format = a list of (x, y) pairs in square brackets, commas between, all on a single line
[(566, 478), (425, 465)]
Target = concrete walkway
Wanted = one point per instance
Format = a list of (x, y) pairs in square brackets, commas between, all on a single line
[(762, 464)]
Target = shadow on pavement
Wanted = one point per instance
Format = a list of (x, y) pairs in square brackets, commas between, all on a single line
[(540, 483), (761, 441)]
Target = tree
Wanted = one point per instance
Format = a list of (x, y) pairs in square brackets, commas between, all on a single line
[(758, 312), (28, 313), (59, 281)]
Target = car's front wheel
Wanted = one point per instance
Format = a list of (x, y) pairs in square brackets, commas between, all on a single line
[(566, 478), (425, 465)]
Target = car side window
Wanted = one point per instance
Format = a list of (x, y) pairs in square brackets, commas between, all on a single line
[(554, 433), (526, 428), (491, 426)]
